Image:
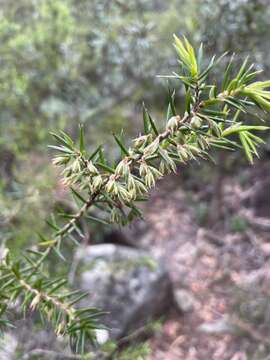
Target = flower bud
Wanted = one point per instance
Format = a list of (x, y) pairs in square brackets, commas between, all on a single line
[(182, 153), (60, 329), (140, 141), (195, 151), (143, 169), (35, 302), (67, 171), (151, 148), (133, 194), (76, 166), (122, 168), (123, 193), (172, 166), (116, 216), (156, 173), (5, 256), (203, 142), (140, 187), (110, 186), (149, 180), (216, 129), (97, 182), (173, 122), (131, 183), (196, 122), (92, 169), (60, 160)]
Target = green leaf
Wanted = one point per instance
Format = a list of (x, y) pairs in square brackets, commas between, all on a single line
[(186, 80), (97, 220), (64, 140), (78, 298), (246, 147), (48, 243), (259, 85), (204, 74), (95, 152), (106, 167), (213, 92), (146, 121), (234, 103), (188, 100), (58, 253), (171, 106), (35, 252), (242, 69), (16, 269), (52, 225), (243, 78), (251, 144), (101, 156), (237, 128), (121, 145), (256, 139), (252, 75), (58, 284), (212, 63), (227, 74), (186, 54), (63, 149), (78, 196), (82, 145)]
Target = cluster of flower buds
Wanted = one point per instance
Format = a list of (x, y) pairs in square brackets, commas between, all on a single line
[(215, 127), (151, 149), (80, 172), (73, 172), (152, 161), (167, 164), (188, 152), (97, 183), (136, 186), (122, 169), (117, 216), (118, 190), (92, 168), (203, 142), (149, 174)]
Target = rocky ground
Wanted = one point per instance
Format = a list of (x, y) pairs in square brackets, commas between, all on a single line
[(220, 273), (213, 266)]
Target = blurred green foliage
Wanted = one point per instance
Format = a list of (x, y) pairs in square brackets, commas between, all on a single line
[(65, 62), (25, 205)]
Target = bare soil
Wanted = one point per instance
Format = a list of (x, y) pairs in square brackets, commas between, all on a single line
[(225, 267)]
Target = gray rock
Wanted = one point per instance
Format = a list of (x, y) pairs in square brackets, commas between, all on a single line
[(29, 336), (8, 347), (184, 300), (127, 283)]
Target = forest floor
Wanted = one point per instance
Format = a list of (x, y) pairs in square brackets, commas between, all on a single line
[(223, 269)]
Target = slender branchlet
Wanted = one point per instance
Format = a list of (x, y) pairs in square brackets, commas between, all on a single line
[(216, 114)]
